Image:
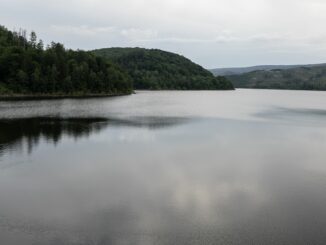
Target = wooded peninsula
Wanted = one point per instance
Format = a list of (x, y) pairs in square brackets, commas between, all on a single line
[(29, 68)]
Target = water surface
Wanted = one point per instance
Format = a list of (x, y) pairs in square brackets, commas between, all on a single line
[(225, 167)]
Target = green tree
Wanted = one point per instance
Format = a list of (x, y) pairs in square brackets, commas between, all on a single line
[(40, 45), (33, 39)]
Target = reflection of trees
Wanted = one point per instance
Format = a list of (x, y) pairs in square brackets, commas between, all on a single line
[(15, 133), (150, 122)]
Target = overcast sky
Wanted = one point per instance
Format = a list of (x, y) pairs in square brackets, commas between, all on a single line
[(213, 33)]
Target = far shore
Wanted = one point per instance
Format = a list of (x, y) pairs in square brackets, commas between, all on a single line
[(57, 96)]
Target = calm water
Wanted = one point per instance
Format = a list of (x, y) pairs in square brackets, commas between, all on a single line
[(235, 167)]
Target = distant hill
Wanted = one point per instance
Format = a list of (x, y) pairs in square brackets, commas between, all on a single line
[(156, 69), (242, 70), (301, 78)]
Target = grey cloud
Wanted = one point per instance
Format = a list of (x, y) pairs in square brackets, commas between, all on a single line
[(213, 33)]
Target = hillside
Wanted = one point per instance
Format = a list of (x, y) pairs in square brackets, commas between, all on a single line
[(241, 70), (29, 69), (302, 78), (155, 69)]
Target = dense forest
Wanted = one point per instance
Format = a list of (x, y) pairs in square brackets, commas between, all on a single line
[(155, 69), (302, 78), (29, 68)]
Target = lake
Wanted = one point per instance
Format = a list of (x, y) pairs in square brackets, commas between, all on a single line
[(206, 167)]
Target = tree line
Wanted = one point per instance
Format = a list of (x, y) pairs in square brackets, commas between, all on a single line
[(27, 67)]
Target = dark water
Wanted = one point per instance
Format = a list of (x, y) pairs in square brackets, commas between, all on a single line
[(236, 167)]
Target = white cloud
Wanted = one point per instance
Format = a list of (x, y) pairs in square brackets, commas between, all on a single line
[(135, 34), (83, 30)]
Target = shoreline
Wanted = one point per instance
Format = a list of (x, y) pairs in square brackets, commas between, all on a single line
[(14, 97)]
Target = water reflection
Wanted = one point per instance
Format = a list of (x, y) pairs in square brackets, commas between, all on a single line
[(297, 115), (19, 132), (170, 180)]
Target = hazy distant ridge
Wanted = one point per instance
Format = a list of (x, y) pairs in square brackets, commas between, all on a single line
[(310, 77), (242, 70)]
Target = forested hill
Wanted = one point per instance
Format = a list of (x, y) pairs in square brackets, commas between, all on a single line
[(29, 68), (302, 78), (155, 69)]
